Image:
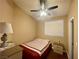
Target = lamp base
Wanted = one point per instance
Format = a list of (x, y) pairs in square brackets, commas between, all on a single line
[(4, 39), (2, 45)]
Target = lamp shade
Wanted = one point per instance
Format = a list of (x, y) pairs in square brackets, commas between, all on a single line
[(5, 27)]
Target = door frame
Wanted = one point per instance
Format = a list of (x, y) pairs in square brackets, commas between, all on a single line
[(71, 37)]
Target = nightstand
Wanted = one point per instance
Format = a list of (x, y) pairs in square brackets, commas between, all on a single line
[(11, 52), (58, 48)]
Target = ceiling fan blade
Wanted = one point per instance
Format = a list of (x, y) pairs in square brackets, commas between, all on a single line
[(54, 7), (34, 10)]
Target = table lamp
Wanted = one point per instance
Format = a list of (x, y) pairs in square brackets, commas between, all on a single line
[(5, 28)]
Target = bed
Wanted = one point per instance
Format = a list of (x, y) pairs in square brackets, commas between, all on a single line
[(36, 49)]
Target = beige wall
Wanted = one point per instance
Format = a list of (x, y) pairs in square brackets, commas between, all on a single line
[(24, 26), (6, 13), (74, 13), (62, 40)]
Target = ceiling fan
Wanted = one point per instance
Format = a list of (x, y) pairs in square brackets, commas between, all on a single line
[(44, 9)]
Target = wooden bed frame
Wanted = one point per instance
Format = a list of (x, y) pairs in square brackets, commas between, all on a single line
[(30, 54)]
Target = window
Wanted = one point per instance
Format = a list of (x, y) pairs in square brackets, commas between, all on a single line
[(54, 28)]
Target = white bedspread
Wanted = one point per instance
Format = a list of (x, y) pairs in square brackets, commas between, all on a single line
[(38, 44)]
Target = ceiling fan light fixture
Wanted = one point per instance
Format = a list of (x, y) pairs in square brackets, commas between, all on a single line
[(43, 13)]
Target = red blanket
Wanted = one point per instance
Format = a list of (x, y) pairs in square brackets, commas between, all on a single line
[(30, 54)]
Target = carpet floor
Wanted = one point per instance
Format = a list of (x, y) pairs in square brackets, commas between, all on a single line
[(53, 55)]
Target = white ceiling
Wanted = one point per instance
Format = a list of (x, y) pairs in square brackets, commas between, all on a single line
[(27, 5)]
